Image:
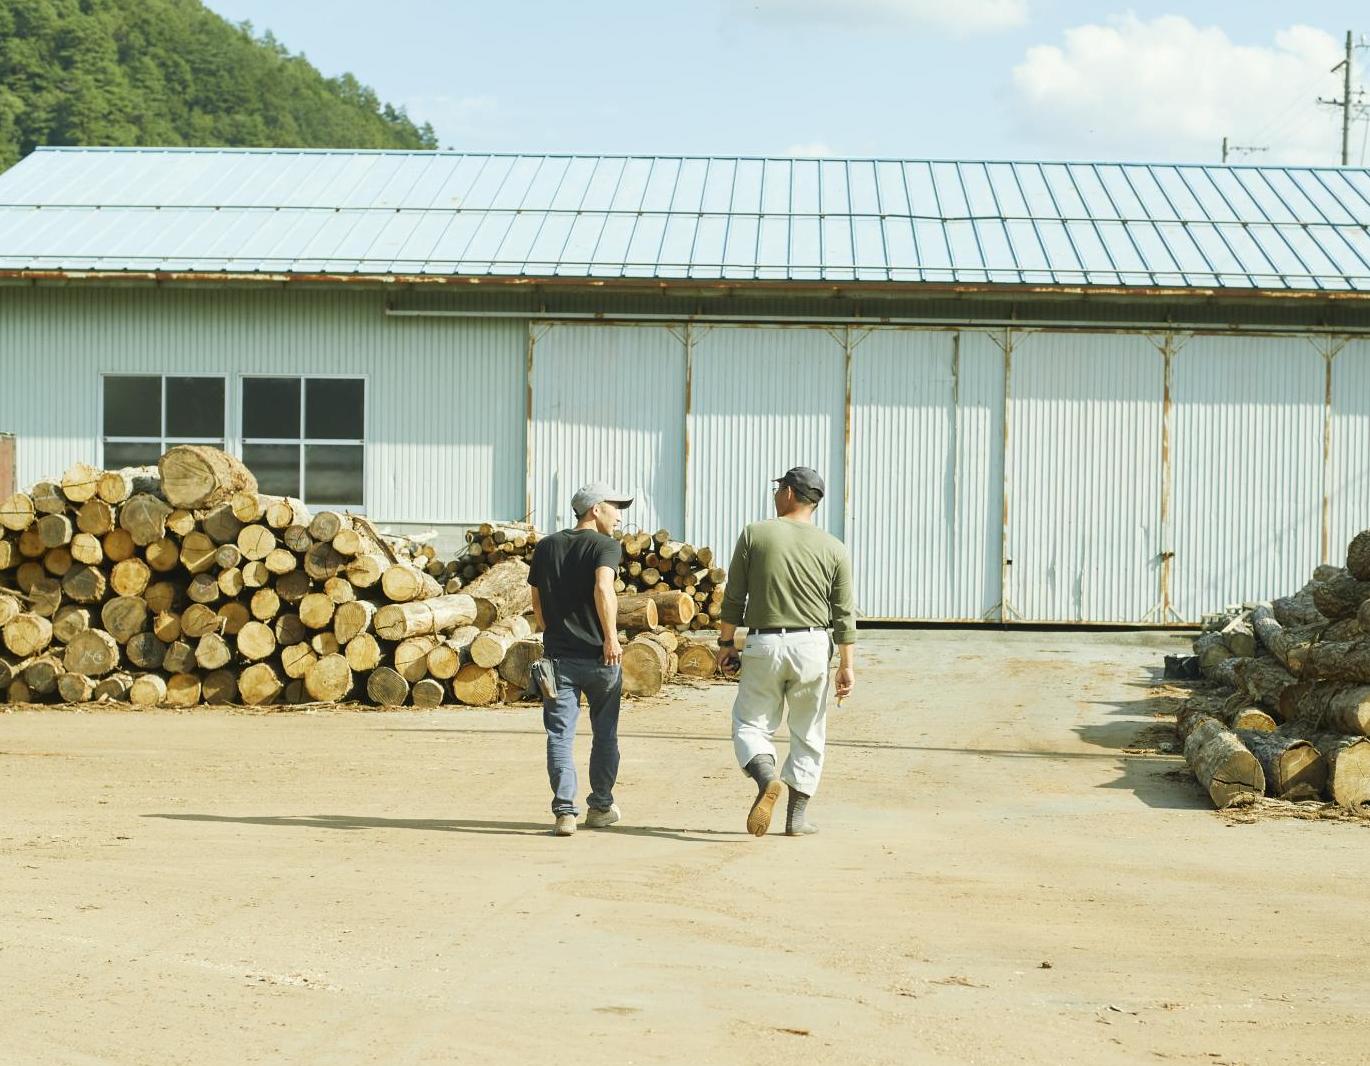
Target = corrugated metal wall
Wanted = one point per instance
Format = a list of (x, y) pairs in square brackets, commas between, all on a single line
[(608, 404), (1084, 478), (445, 406), (1048, 482)]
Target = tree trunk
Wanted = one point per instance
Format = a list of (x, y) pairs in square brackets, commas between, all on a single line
[(646, 665), (501, 592), (181, 523), (280, 561), (54, 530), (518, 662), (316, 611), (147, 690), (213, 652), (329, 680), (1338, 661), (85, 548), (697, 660), (144, 519), (221, 525), (428, 693), (47, 498), (403, 583), (365, 571), (283, 512), (1265, 681), (179, 658), (95, 517), (326, 525), (1348, 770), (411, 657), (166, 626), (387, 688), (195, 476), (256, 642), (182, 690), (113, 688), (490, 647), (45, 596), (130, 578), (67, 623), (27, 634), (290, 630), (297, 538), (1293, 768), (1340, 596), (476, 686), (638, 610), (198, 620), (80, 482), (92, 652), (1333, 708), (146, 651), (1211, 649), (296, 659), (256, 542), (1240, 637), (351, 620), (258, 685), (75, 688), (1230, 773), (294, 587), (363, 653), (17, 512), (116, 486), (42, 674), (204, 588), (437, 615), (219, 686), (325, 644), (455, 650), (85, 584)]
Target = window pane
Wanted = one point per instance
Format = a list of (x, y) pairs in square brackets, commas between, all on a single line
[(117, 455), (277, 467), (333, 409), (333, 474), (194, 407), (271, 407), (133, 407)]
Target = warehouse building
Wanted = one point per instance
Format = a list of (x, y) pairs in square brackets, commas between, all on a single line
[(1061, 393)]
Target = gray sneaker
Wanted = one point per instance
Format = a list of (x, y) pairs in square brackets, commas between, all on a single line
[(566, 826), (602, 819)]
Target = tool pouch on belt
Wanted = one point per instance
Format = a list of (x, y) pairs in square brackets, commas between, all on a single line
[(544, 674)]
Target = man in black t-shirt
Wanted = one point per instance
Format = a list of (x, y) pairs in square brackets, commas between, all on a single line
[(572, 575)]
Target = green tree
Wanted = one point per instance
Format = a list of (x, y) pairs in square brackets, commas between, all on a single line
[(171, 72)]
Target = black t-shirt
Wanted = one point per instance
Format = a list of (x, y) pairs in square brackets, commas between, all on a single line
[(563, 572)]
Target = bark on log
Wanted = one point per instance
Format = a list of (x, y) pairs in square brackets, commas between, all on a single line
[(329, 680), (1293, 768), (501, 592), (27, 634), (454, 652), (93, 653), (1348, 770), (1226, 672), (637, 611), (195, 476), (387, 688), (1265, 681), (1298, 609), (1223, 765), (395, 621), (1340, 596), (476, 686), (490, 647), (1286, 645), (1338, 661), (1330, 707), (258, 685), (1342, 629), (1211, 650)]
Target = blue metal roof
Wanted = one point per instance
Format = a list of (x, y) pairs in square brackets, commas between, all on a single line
[(356, 213)]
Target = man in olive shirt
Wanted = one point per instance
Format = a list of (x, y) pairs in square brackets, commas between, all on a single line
[(790, 582), (572, 575)]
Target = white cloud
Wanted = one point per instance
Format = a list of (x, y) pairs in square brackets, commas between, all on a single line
[(964, 16), (1168, 89), (809, 150)]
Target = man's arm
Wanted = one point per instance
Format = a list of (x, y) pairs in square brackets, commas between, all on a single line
[(537, 609), (606, 606), (843, 607), (734, 607)]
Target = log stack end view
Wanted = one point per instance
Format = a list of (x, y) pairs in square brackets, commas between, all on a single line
[(181, 584)]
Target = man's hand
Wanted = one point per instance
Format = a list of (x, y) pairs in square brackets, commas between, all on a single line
[(846, 680), (727, 660), (613, 650)]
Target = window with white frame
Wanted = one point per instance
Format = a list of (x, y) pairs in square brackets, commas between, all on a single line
[(145, 414), (305, 437)]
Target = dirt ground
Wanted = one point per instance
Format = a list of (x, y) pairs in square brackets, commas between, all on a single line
[(996, 881)]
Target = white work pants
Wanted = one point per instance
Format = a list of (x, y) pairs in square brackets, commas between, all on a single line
[(780, 669)]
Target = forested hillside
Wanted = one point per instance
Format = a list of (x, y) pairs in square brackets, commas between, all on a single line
[(171, 72)]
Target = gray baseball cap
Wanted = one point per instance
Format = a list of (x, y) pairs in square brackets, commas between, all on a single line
[(804, 479), (598, 492)]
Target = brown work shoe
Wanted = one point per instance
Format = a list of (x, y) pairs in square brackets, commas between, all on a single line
[(763, 807)]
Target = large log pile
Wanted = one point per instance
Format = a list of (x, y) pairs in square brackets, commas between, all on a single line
[(1303, 660), (182, 584)]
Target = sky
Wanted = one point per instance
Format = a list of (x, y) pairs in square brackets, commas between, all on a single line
[(962, 79)]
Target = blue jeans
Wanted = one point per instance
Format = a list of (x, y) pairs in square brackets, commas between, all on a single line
[(603, 688)]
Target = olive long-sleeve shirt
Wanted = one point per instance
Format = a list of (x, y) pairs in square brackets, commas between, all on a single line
[(787, 573)]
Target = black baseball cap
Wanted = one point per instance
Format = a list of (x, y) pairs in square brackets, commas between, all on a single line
[(804, 479)]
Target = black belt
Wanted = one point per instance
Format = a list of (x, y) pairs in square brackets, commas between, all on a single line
[(792, 629)]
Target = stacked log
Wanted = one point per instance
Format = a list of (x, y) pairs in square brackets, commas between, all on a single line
[(1304, 659)]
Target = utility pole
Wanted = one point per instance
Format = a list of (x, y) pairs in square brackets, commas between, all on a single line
[(1233, 149), (1345, 102)]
